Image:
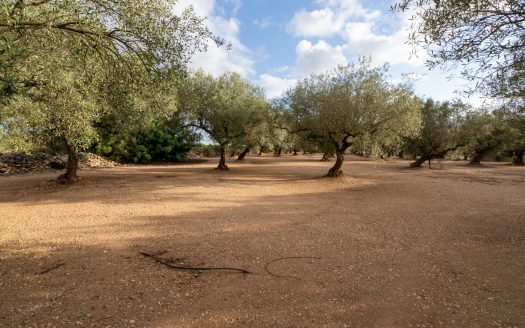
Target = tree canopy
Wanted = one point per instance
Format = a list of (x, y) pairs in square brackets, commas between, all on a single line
[(64, 65), (346, 105), (228, 108), (486, 38)]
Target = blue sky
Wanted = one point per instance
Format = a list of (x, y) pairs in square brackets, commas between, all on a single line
[(277, 42)]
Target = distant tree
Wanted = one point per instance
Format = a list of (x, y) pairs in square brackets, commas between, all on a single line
[(442, 131), (342, 106), (258, 138), (228, 108), (514, 137), (487, 38), (485, 132)]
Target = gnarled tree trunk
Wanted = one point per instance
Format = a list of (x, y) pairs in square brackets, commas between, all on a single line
[(422, 160), (232, 154), (295, 151), (326, 157), (222, 161), (336, 171), (72, 166), (518, 157), (243, 154), (260, 152), (277, 152)]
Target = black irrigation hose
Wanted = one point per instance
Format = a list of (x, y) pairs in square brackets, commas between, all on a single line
[(266, 267), (180, 267)]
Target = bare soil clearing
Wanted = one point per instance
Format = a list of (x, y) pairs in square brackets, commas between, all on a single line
[(390, 246)]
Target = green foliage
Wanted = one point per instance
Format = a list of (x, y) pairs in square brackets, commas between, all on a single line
[(485, 37), (486, 131), (228, 108), (69, 67), (342, 108), (513, 115), (155, 145), (443, 130)]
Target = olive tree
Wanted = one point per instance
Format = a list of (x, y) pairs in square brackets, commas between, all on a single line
[(443, 130), (485, 131), (228, 108), (514, 136), (56, 57), (485, 37), (350, 103)]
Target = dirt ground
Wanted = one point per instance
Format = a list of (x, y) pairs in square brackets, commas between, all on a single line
[(385, 246)]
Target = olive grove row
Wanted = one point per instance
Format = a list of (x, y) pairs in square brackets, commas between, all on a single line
[(71, 71)]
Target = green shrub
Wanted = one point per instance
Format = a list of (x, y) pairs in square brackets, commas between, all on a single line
[(158, 144)]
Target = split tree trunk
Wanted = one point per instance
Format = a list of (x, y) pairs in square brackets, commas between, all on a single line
[(277, 152), (222, 161), (518, 157), (72, 166), (336, 171), (243, 154)]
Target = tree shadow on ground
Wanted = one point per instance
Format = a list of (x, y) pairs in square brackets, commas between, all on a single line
[(391, 254)]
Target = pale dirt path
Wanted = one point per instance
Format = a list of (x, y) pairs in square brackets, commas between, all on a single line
[(398, 247)]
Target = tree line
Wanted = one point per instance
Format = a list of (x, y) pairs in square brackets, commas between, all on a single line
[(111, 75)]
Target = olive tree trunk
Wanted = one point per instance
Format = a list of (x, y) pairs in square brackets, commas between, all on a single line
[(336, 171), (295, 151), (518, 157), (422, 160), (72, 166), (476, 159), (243, 154), (222, 161), (326, 157)]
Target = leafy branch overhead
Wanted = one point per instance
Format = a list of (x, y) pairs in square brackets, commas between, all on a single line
[(485, 38)]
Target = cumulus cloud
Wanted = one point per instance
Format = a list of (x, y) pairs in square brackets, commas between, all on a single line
[(317, 58), (356, 25), (330, 19), (219, 60), (322, 22), (275, 86)]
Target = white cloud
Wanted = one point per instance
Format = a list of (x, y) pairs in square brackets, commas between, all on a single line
[(275, 86), (321, 22), (264, 23), (317, 58), (330, 19), (390, 48), (355, 25), (219, 60)]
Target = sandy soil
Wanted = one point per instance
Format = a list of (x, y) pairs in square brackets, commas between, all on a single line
[(390, 246)]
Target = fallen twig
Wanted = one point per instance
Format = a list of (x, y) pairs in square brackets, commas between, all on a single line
[(266, 267), (51, 268), (180, 267)]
